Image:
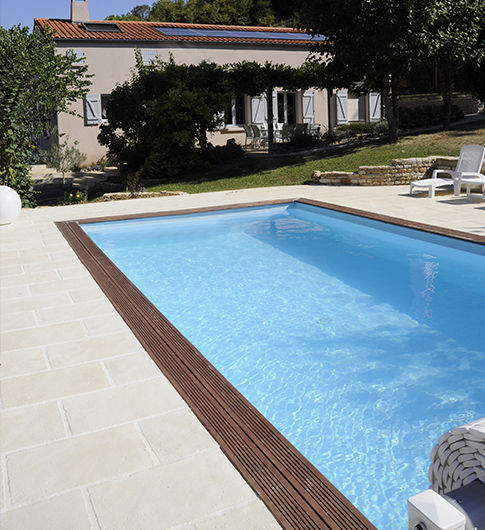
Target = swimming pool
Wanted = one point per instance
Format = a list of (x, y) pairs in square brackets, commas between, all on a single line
[(360, 341)]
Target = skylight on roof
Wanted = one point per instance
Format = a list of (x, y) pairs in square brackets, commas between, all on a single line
[(238, 34), (101, 27)]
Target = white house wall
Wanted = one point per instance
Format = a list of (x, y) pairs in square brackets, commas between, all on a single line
[(113, 63)]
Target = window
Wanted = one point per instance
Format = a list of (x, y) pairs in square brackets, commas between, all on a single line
[(105, 99), (234, 113), (102, 27), (95, 107), (80, 55), (149, 56), (286, 107)]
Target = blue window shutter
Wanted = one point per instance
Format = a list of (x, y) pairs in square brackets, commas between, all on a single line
[(92, 109)]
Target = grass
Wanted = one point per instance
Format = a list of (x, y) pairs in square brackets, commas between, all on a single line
[(263, 171)]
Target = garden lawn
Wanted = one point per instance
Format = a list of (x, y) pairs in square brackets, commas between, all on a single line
[(262, 171)]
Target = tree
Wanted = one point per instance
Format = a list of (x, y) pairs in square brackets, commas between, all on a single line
[(229, 12), (35, 83), (158, 122), (454, 39), (170, 11), (369, 42), (64, 157), (137, 13), (285, 12)]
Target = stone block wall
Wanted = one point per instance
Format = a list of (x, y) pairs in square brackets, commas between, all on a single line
[(400, 171)]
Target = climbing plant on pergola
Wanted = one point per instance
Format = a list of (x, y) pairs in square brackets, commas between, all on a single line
[(252, 79)]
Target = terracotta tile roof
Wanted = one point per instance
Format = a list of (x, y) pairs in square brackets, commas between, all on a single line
[(146, 31)]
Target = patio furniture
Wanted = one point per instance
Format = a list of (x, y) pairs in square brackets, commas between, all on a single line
[(468, 167), (260, 135), (249, 135), (314, 130), (301, 128), (287, 132), (473, 181)]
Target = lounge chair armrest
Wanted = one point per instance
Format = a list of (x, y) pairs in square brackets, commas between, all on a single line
[(436, 172)]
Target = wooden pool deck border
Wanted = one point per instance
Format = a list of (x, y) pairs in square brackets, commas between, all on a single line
[(297, 494)]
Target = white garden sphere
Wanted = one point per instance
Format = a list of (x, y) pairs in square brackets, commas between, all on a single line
[(10, 205)]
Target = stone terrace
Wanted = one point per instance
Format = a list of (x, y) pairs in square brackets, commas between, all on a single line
[(92, 434)]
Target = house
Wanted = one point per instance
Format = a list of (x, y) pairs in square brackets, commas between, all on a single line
[(108, 48)]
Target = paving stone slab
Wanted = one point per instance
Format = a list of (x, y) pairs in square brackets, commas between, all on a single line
[(41, 472)]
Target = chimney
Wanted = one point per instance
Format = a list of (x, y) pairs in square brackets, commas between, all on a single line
[(79, 11)]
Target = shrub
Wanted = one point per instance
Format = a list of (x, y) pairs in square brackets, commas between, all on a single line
[(302, 140), (425, 115), (103, 163), (63, 157), (360, 127), (76, 197), (221, 154)]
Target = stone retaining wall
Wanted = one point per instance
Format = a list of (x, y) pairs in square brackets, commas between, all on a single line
[(400, 171), (466, 102)]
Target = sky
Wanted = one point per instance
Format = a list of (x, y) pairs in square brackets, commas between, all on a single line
[(23, 12)]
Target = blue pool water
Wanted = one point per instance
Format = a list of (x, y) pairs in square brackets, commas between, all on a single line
[(361, 342)]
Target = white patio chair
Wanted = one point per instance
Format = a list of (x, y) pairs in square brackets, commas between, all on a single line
[(468, 167), (474, 181)]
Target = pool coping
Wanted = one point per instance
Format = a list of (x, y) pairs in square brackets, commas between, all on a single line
[(297, 494)]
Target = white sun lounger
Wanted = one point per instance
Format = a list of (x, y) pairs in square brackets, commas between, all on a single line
[(468, 167), (474, 181)]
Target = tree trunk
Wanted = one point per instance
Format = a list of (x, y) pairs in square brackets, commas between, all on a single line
[(269, 104), (390, 108), (446, 91), (395, 101), (331, 127)]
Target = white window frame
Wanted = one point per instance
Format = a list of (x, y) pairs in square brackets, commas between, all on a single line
[(149, 57)]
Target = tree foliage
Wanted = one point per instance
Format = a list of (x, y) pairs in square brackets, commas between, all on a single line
[(238, 12), (35, 83), (141, 12), (368, 42), (378, 42), (453, 38), (158, 122), (64, 157)]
